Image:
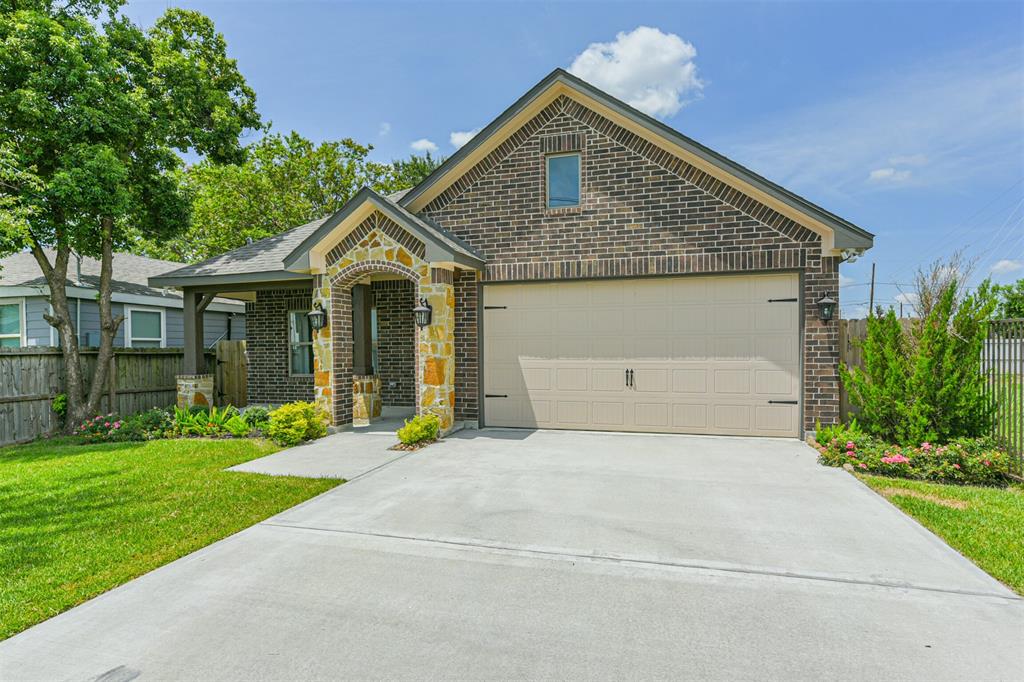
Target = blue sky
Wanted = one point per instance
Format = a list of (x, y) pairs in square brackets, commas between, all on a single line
[(904, 118)]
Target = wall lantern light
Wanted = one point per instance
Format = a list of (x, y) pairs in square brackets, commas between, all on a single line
[(317, 317), (826, 307), (422, 313)]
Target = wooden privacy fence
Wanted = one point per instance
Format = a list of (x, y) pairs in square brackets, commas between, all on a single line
[(1002, 361), (140, 378)]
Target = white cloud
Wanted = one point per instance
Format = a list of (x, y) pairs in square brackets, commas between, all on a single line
[(908, 298), (424, 145), (460, 137), (959, 117), (845, 281), (888, 175), (1006, 266), (385, 129), (910, 160), (648, 69), (855, 312)]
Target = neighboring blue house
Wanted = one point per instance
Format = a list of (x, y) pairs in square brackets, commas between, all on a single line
[(152, 316)]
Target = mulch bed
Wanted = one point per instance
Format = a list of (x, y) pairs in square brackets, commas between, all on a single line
[(413, 447)]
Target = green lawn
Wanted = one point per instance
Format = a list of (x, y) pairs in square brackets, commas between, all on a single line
[(984, 524), (77, 520)]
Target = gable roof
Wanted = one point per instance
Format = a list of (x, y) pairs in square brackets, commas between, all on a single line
[(846, 235), (131, 275), (441, 245)]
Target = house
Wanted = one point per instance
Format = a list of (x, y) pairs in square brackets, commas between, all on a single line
[(576, 265), (152, 315)]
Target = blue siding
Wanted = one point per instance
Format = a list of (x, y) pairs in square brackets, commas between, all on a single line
[(37, 329)]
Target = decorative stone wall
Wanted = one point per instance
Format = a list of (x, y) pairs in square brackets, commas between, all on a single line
[(379, 251), (366, 401), (195, 390)]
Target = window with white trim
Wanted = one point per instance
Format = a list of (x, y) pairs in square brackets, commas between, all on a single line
[(563, 180), (300, 343), (12, 323), (144, 328)]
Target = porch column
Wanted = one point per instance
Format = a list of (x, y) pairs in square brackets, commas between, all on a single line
[(436, 350), (194, 386)]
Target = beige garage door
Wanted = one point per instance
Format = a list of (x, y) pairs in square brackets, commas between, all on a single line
[(695, 354)]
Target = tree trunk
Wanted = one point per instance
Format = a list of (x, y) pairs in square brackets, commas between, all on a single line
[(108, 324), (74, 380)]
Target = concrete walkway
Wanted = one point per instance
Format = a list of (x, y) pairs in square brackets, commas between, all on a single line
[(347, 454), (502, 554)]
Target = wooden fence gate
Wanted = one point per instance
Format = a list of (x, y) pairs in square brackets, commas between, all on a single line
[(231, 380)]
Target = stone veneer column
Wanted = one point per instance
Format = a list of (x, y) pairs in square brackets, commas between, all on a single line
[(323, 358), (436, 350), (195, 390)]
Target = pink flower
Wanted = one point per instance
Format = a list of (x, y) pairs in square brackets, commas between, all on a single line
[(988, 463), (895, 459), (956, 466), (926, 446), (106, 423), (850, 445), (851, 455), (862, 465)]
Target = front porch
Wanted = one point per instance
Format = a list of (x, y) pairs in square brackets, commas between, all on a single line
[(361, 320)]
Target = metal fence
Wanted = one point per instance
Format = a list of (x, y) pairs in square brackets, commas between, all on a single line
[(1003, 364)]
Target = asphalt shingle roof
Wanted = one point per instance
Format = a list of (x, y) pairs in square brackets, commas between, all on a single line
[(131, 273), (265, 255)]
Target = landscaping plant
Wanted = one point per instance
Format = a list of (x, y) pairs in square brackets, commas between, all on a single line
[(296, 422), (925, 385), (976, 461), (420, 429), (256, 417)]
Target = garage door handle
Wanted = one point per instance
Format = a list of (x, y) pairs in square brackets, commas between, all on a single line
[(495, 395), (783, 300), (783, 402)]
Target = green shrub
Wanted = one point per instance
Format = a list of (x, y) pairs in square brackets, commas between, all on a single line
[(256, 417), (926, 385), (419, 429), (976, 461), (59, 405), (296, 422), (237, 427)]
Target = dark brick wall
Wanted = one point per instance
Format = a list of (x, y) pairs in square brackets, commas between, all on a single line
[(396, 341), (643, 211), (466, 348), (267, 347)]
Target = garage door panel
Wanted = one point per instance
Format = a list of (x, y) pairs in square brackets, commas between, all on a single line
[(692, 417), (608, 379), (707, 354), (651, 380), (609, 413), (690, 380), (572, 379), (733, 418)]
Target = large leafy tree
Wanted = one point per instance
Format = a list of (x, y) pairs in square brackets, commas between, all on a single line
[(284, 181), (93, 113)]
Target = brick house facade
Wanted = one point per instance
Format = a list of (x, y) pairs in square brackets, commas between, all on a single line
[(652, 204)]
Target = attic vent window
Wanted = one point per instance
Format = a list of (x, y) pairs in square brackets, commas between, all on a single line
[(563, 180)]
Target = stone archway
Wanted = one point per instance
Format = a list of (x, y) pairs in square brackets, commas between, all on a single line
[(377, 253)]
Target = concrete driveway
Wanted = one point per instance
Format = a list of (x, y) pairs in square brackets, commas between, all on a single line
[(501, 554)]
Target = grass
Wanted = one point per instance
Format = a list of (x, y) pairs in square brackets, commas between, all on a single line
[(77, 520), (984, 524)]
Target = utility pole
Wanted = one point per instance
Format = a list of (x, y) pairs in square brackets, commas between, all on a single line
[(871, 300), (901, 310)]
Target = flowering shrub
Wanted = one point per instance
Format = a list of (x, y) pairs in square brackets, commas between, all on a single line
[(976, 461), (100, 428)]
